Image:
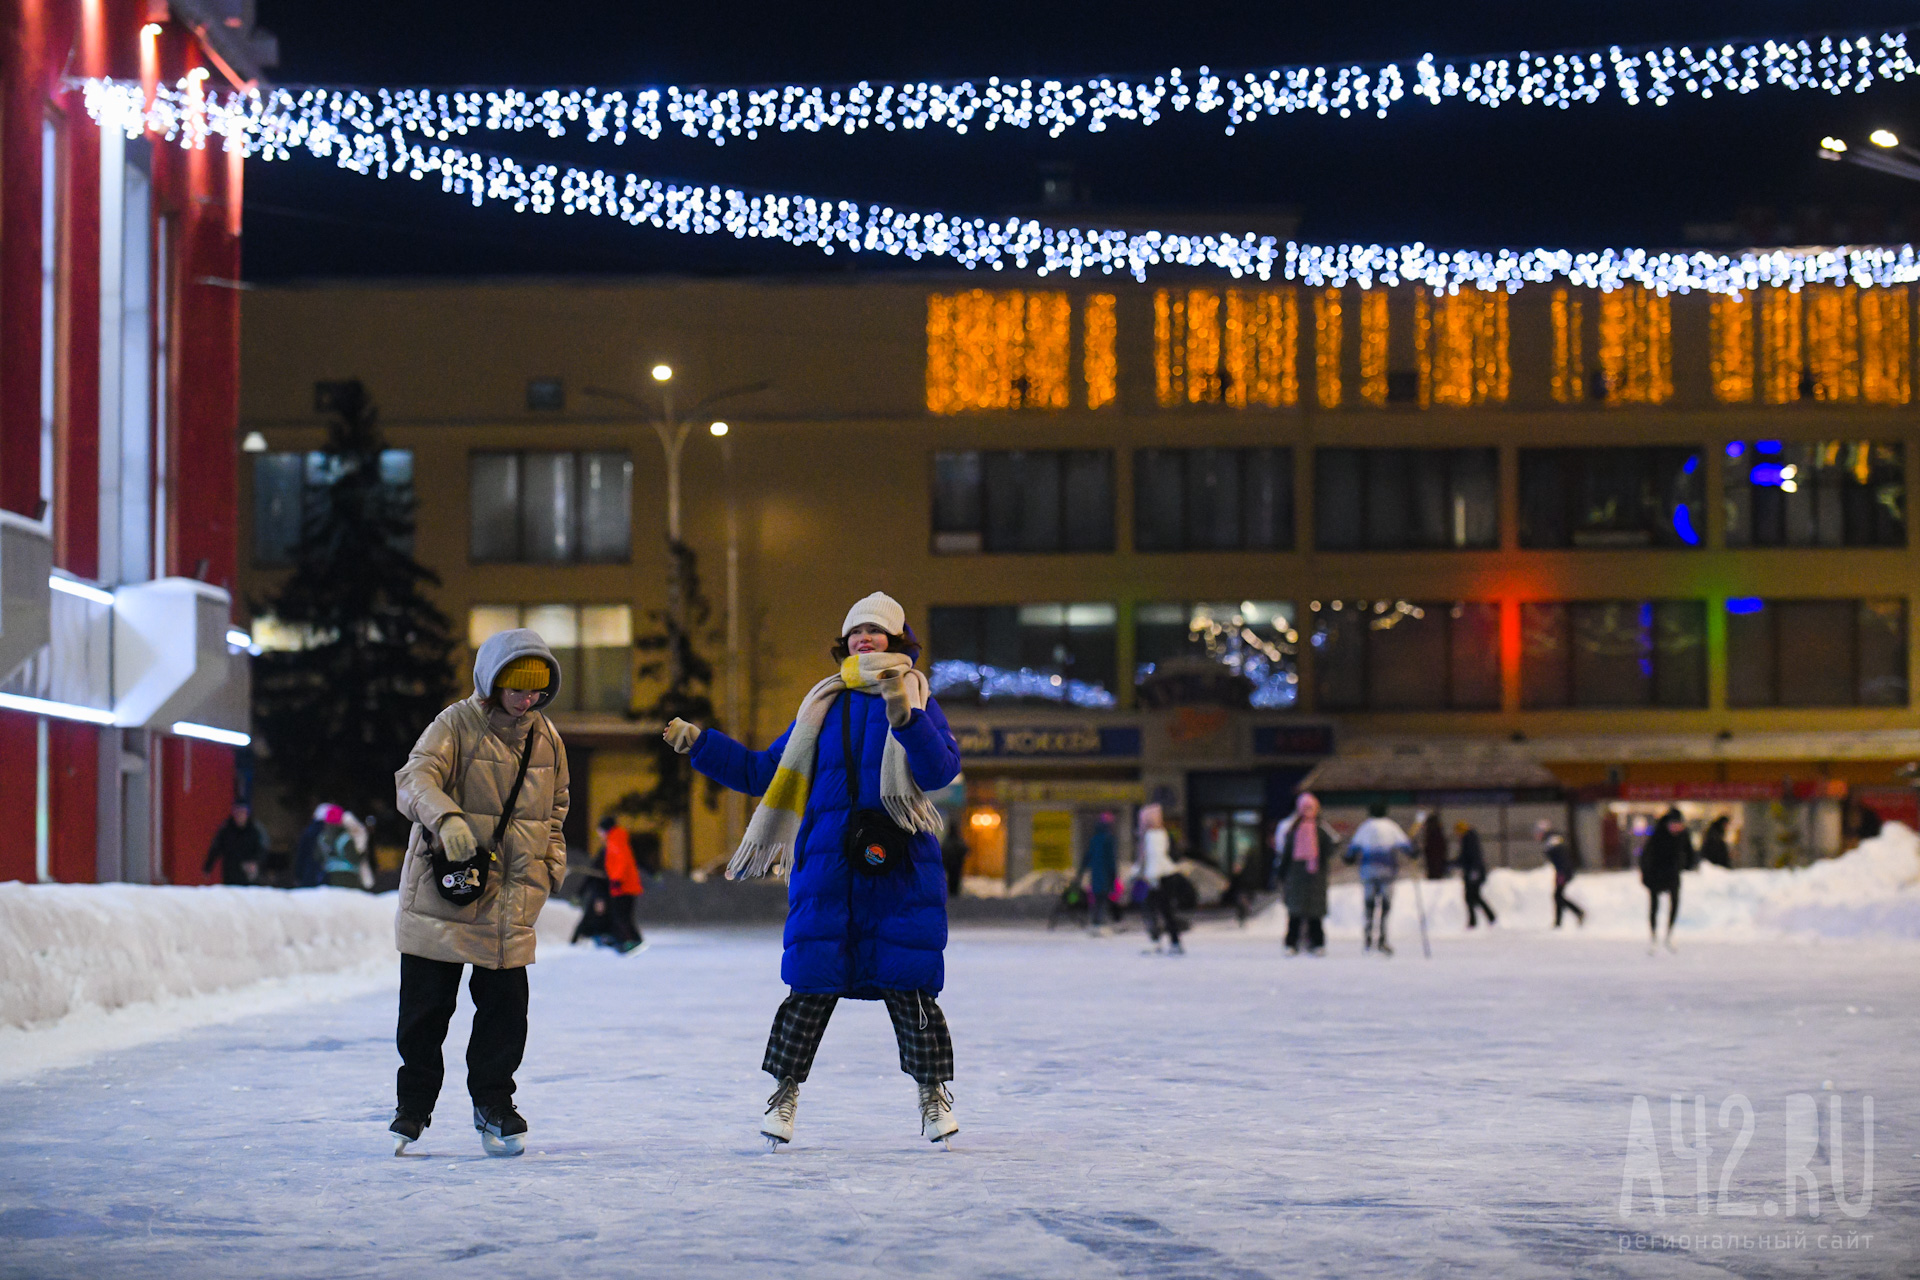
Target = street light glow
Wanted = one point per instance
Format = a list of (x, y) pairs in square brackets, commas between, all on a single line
[(1833, 144), (718, 428), (1883, 138), (662, 372)]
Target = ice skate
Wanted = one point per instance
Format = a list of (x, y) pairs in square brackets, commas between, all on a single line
[(406, 1128), (1383, 948), (502, 1130), (777, 1128), (1175, 949), (936, 1114), (1670, 945), (1293, 951)]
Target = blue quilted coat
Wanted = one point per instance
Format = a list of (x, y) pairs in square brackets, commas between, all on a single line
[(850, 934)]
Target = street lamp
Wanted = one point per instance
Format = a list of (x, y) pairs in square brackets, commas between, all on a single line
[(672, 431), (1890, 156)]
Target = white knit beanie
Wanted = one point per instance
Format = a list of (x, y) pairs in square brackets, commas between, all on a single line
[(882, 610)]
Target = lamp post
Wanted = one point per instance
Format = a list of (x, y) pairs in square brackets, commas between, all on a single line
[(736, 802), (1889, 154), (672, 431)]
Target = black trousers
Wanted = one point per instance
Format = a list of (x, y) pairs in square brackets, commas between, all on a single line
[(428, 992), (1561, 905), (1162, 915), (1653, 908), (1477, 903), (1376, 896), (926, 1046), (1312, 926)]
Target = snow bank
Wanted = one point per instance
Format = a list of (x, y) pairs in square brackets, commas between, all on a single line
[(1871, 892), (68, 948)]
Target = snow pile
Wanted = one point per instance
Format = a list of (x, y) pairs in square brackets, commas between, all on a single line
[(69, 948), (1872, 891)]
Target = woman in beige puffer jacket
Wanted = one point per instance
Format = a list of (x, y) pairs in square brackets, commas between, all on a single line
[(456, 783)]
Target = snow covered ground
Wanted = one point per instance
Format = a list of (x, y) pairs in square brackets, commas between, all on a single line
[(1226, 1115)]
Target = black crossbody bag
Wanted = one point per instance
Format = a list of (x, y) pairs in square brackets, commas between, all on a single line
[(875, 844), (463, 882)]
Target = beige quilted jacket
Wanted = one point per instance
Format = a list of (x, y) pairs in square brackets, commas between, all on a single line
[(463, 764)]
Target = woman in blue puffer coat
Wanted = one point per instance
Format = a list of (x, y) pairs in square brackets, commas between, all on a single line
[(867, 914)]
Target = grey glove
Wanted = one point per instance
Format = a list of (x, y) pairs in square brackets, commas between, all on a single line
[(893, 687), (456, 837), (680, 735)]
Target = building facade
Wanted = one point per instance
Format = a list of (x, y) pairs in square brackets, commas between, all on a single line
[(122, 692), (1556, 554)]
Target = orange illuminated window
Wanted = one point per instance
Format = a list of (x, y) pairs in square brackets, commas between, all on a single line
[(1569, 353), (1730, 339), (1326, 347), (1235, 348), (1460, 343), (1098, 362), (1005, 349), (1636, 346), (1373, 346)]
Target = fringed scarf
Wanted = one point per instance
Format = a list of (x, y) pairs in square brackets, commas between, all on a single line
[(768, 845)]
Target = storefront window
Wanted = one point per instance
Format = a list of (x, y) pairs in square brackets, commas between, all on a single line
[(1829, 493), (1238, 654), (1034, 653), (1403, 655)]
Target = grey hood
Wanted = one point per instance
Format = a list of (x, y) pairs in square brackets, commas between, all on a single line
[(503, 647)]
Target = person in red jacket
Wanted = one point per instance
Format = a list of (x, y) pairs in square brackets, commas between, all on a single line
[(623, 885)]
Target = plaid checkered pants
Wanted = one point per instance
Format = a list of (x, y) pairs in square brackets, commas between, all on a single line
[(926, 1047)]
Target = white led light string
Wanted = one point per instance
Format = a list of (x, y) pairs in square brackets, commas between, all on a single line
[(275, 122), (833, 226)]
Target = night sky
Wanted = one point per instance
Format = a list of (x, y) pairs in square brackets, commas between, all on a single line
[(1456, 175)]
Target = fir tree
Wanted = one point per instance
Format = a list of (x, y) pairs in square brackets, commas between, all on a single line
[(339, 715), (686, 691)]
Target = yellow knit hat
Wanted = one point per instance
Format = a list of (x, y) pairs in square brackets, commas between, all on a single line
[(524, 673)]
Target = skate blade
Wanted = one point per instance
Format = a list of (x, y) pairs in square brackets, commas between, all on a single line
[(774, 1141), (493, 1146), (400, 1144)]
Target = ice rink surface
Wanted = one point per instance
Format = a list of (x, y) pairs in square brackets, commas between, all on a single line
[(1225, 1115)]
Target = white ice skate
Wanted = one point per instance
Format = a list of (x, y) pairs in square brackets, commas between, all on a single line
[(936, 1114), (777, 1128)]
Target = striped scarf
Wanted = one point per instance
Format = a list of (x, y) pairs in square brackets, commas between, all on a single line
[(768, 845)]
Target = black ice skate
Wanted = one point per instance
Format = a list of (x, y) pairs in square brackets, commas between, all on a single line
[(406, 1128), (502, 1131)]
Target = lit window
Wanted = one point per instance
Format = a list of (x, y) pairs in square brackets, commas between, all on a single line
[(1099, 362), (1461, 343), (1005, 349), (1033, 653), (1569, 381), (1611, 497), (550, 508), (1232, 653), (593, 644), (1636, 346), (1828, 493), (1234, 348)]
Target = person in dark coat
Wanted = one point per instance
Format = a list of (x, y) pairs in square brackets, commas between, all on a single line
[(1713, 843), (1667, 850), (238, 848), (1565, 861), (1099, 866), (309, 852), (1472, 861), (1304, 848), (866, 923), (953, 855), (1433, 843)]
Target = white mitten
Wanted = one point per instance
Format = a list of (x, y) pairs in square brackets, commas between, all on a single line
[(456, 837), (680, 735)]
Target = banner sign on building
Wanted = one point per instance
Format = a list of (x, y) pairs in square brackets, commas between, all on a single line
[(1293, 740), (1048, 742)]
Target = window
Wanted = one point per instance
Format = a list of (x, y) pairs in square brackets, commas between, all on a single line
[(592, 642), (1031, 500), (550, 508), (1034, 653), (1460, 344), (1636, 346), (1235, 348), (1613, 653), (1823, 342), (1405, 499), (1004, 349), (1569, 378), (283, 483), (1401, 655), (546, 394), (1610, 497), (1213, 499), (1239, 654), (1834, 493), (1816, 653)]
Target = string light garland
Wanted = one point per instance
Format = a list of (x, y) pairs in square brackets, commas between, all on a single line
[(281, 119), (1025, 244)]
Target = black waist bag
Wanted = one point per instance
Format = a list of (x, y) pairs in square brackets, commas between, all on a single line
[(463, 882), (875, 843)]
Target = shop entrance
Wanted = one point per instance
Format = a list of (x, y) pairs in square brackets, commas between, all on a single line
[(1231, 816)]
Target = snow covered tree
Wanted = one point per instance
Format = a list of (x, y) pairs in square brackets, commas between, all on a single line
[(339, 713)]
